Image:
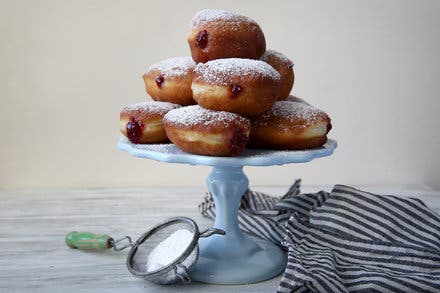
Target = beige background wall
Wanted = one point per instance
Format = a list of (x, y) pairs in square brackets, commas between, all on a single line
[(68, 67)]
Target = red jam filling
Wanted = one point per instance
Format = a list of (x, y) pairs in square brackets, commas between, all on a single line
[(202, 39), (159, 81), (236, 90), (134, 130), (238, 142)]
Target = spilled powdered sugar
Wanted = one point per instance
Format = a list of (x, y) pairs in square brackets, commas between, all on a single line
[(220, 17), (294, 111), (176, 66), (196, 115), (220, 71), (275, 57), (155, 107), (166, 148)]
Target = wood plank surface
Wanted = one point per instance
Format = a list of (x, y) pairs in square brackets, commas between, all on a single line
[(34, 258)]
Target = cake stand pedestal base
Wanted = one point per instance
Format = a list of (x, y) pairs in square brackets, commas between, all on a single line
[(234, 258)]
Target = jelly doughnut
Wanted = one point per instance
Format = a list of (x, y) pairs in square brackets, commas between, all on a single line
[(284, 66), (291, 126), (243, 86), (170, 80), (142, 122), (206, 132), (215, 34)]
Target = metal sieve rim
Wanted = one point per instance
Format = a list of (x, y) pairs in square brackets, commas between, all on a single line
[(147, 234)]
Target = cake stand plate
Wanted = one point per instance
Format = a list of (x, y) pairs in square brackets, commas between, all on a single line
[(236, 257)]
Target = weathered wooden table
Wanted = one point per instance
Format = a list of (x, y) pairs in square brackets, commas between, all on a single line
[(34, 258)]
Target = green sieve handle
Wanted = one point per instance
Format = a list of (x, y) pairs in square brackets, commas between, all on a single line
[(87, 240)]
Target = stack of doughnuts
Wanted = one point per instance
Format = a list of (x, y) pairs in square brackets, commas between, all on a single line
[(230, 94)]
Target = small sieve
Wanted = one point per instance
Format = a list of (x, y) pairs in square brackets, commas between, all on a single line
[(175, 271)]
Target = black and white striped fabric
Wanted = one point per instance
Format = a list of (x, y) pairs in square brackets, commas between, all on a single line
[(346, 240)]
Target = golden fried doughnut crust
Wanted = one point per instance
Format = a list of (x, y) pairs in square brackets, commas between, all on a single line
[(215, 34), (206, 132), (292, 98), (291, 126), (243, 86), (142, 122), (170, 80), (284, 66)]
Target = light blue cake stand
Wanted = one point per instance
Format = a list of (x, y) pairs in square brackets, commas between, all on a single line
[(233, 258)]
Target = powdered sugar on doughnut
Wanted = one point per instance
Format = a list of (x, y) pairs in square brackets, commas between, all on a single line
[(276, 57), (220, 17), (153, 107), (196, 115), (176, 66), (220, 71), (294, 111), (297, 100)]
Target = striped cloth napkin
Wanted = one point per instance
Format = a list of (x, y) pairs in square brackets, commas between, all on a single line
[(347, 240)]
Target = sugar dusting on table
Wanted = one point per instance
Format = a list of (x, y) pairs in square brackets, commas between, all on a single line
[(220, 71), (168, 250)]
